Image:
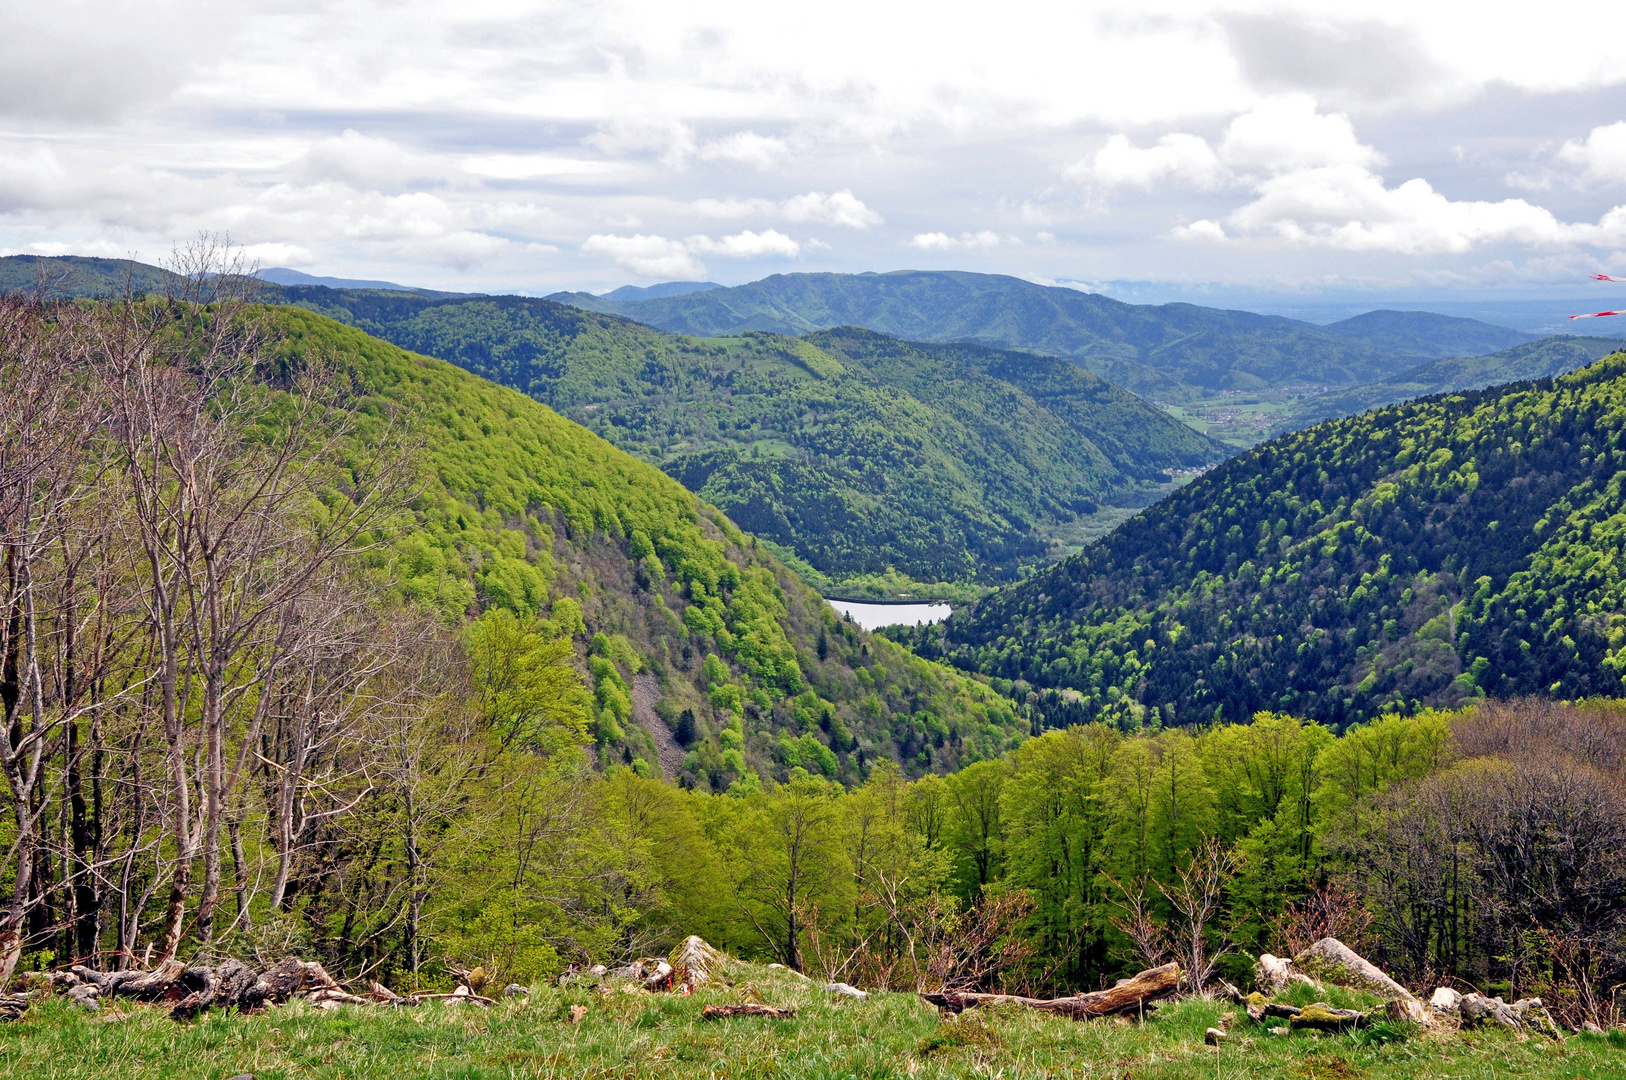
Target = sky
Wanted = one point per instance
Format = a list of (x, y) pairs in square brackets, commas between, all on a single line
[(1260, 155)]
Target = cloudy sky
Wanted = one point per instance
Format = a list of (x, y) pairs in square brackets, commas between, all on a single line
[(1154, 150)]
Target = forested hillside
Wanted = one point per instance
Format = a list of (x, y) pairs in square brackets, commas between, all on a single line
[(1418, 555), (857, 453), (315, 646), (528, 510), (1169, 352), (1538, 359), (938, 465)]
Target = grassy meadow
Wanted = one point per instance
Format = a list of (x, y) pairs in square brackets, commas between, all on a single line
[(637, 1035)]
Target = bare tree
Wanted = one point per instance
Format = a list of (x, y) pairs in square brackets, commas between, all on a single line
[(1197, 897), (1148, 937), (236, 506)]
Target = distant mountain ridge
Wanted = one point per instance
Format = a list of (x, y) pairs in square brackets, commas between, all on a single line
[(1169, 352), (855, 452), (1425, 333), (1539, 359), (657, 292), (282, 275)]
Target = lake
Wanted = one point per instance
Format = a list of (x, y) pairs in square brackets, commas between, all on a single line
[(870, 615)]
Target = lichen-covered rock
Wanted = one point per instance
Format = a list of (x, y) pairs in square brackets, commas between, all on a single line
[(1323, 1017), (1533, 1014), (1331, 961), (1477, 1009)]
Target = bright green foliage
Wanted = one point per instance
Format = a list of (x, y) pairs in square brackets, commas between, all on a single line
[(1416, 556), (521, 510), (525, 683), (861, 455)]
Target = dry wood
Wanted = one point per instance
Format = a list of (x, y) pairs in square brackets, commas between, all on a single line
[(1126, 996), (719, 1012)]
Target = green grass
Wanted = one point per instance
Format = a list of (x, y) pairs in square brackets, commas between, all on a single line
[(638, 1035)]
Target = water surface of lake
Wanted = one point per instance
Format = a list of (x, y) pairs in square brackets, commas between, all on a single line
[(870, 616)]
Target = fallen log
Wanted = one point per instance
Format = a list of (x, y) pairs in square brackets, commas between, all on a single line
[(722, 1012), (1125, 996), (1323, 1017)]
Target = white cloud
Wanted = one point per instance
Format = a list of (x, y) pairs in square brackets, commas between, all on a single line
[(938, 241), (1186, 158), (815, 207), (278, 254), (1200, 230), (837, 208), (748, 245), (1602, 154), (1350, 208), (735, 208), (648, 256), (748, 148), (659, 257), (1287, 133), (534, 166)]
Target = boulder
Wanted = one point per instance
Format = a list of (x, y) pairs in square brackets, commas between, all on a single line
[(1589, 1028), (1445, 1000), (1213, 1036), (1535, 1017), (1477, 1009), (846, 991), (1273, 974), (1408, 1010), (86, 996), (1330, 960), (516, 990), (696, 962)]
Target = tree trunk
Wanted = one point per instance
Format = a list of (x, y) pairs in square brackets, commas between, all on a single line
[(1126, 996)]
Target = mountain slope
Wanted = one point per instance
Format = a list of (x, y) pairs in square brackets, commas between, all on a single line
[(1426, 334), (1417, 555), (1171, 352), (79, 275), (1538, 359), (856, 452), (694, 629)]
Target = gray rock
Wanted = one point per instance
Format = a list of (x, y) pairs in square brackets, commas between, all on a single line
[(86, 995), (1273, 974), (1535, 1017), (1281, 1031), (1213, 1036), (1445, 1000), (1590, 1028), (847, 991), (516, 990), (1477, 1009), (1330, 960)]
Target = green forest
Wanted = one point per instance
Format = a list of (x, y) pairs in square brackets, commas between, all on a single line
[(855, 453), (315, 647), (1419, 555)]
